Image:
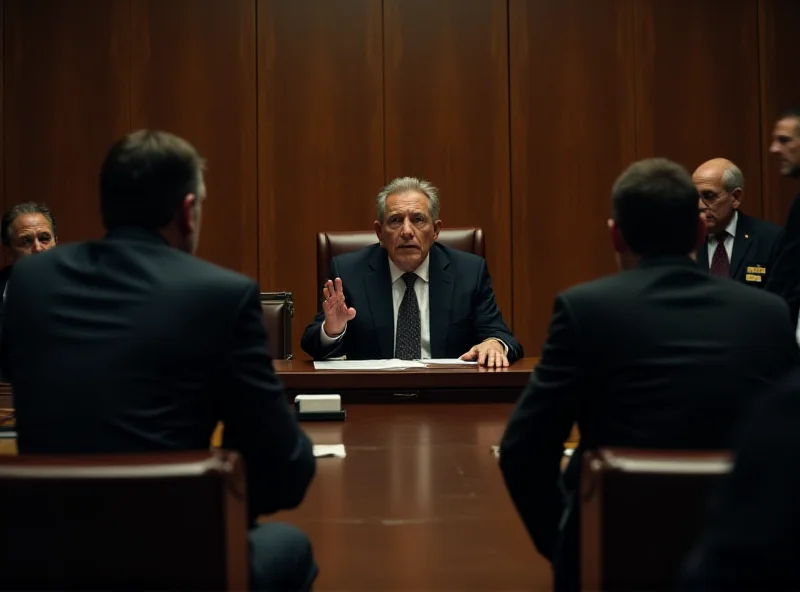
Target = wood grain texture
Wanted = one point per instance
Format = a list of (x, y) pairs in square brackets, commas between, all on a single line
[(780, 90), (572, 133), (697, 74), (447, 120), (320, 135), (65, 100), (193, 72)]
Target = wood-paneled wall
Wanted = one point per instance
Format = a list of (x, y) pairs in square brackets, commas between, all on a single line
[(522, 112)]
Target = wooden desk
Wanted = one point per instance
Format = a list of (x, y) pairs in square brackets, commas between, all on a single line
[(451, 385)]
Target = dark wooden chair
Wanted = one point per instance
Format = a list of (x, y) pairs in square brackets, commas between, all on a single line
[(641, 512), (143, 521), (331, 244), (278, 309)]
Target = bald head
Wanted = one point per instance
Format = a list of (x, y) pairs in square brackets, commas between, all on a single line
[(720, 186)]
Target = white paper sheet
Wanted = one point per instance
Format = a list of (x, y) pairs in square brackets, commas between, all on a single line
[(390, 364), (434, 362), (332, 450)]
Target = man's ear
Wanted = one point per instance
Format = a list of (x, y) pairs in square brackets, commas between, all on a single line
[(186, 219), (378, 231), (616, 237), (437, 228), (737, 195)]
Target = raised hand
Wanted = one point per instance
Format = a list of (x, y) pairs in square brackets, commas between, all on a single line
[(337, 314)]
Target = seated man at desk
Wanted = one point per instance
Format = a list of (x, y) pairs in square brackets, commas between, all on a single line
[(415, 298)]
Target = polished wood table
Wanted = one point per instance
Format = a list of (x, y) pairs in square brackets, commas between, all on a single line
[(453, 385), (417, 505)]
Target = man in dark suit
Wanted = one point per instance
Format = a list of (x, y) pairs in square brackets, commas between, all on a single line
[(752, 541), (785, 281), (415, 297), (662, 355), (736, 246), (25, 229), (132, 344)]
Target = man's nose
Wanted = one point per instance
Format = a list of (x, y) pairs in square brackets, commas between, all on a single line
[(38, 247), (407, 230), (774, 148)]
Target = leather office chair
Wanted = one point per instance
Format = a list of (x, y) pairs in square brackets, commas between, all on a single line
[(641, 512), (331, 244), (278, 309), (155, 521)]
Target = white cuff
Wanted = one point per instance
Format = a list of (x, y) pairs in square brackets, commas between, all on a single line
[(327, 339)]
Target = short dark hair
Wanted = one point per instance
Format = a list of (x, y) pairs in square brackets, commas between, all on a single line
[(29, 207), (792, 113), (145, 177), (655, 208)]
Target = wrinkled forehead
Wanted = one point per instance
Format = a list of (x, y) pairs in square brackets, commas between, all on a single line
[(25, 224), (407, 202), (707, 180)]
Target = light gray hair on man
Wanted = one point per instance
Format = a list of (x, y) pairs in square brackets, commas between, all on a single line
[(404, 184), (732, 179)]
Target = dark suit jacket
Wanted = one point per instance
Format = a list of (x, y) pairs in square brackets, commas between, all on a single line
[(754, 251), (661, 356), (129, 345), (463, 311), (752, 541), (784, 280)]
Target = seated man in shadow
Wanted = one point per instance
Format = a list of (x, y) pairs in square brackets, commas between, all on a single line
[(138, 346), (752, 541), (25, 229), (415, 297), (662, 355)]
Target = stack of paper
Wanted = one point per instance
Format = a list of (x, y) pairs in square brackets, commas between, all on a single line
[(391, 364)]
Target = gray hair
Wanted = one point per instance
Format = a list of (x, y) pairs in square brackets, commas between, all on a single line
[(404, 184), (732, 179)]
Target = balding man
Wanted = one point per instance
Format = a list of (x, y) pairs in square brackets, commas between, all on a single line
[(737, 246)]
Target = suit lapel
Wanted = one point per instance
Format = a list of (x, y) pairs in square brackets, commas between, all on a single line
[(378, 285), (742, 243), (440, 295)]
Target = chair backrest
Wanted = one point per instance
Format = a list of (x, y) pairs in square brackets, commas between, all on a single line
[(640, 513), (331, 244), (145, 521), (278, 309)]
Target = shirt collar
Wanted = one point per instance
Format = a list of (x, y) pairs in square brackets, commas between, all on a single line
[(731, 228), (422, 271)]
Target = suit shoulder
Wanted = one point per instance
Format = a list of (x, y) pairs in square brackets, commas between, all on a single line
[(358, 257), (460, 259), (764, 227)]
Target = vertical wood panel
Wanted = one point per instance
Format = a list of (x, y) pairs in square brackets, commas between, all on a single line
[(320, 135), (446, 88), (193, 74), (697, 74), (572, 133), (66, 93), (780, 90)]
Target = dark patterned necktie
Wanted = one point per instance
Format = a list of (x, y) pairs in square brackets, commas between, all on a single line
[(409, 333), (720, 264)]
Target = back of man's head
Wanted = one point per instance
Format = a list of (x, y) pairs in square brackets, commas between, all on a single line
[(655, 208), (145, 178)]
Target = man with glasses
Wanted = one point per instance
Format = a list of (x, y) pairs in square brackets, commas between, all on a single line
[(736, 246)]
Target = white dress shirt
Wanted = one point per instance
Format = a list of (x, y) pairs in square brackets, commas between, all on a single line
[(712, 240), (421, 289)]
